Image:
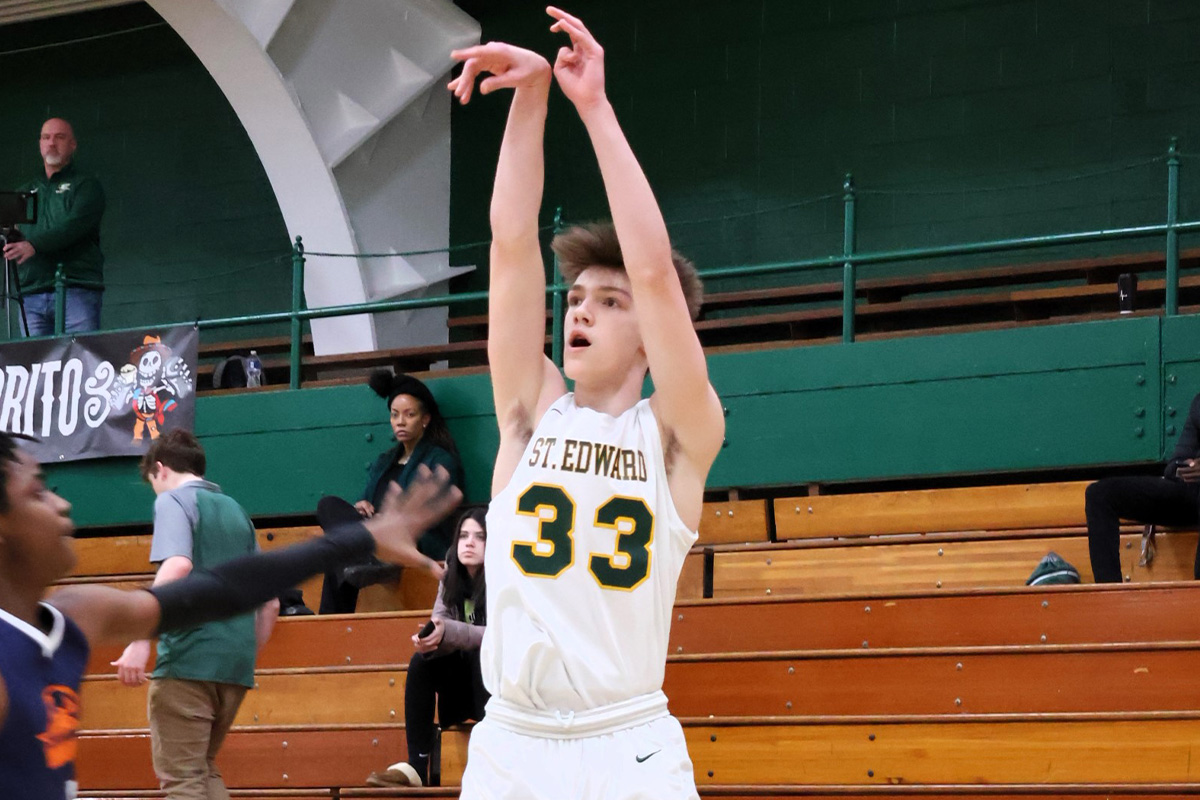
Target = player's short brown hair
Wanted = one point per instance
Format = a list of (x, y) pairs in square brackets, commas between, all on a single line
[(178, 449), (595, 244)]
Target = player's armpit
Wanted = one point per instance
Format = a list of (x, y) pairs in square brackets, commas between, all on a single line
[(107, 615), (518, 419)]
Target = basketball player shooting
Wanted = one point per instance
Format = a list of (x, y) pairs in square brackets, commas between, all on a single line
[(597, 494)]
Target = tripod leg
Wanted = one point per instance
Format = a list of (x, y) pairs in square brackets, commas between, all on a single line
[(15, 283)]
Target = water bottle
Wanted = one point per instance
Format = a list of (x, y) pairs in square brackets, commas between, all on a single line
[(253, 370)]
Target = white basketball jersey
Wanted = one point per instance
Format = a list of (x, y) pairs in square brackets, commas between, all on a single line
[(583, 555)]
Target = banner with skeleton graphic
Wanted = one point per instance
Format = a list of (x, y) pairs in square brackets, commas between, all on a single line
[(107, 394)]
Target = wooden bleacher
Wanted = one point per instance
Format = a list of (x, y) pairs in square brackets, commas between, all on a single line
[(823, 688)]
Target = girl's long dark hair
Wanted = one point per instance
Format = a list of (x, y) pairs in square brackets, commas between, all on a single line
[(458, 586)]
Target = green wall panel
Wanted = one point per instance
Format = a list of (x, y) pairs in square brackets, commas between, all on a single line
[(1028, 398), (1022, 399)]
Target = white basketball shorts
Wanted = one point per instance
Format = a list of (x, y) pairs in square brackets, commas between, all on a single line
[(513, 756)]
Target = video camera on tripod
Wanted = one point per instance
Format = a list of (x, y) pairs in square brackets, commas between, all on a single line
[(16, 208)]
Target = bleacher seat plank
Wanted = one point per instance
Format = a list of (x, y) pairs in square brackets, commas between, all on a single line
[(1022, 506), (1043, 752), (1083, 614), (112, 555), (881, 568), (323, 698), (734, 521), (965, 753), (320, 641), (267, 758), (1010, 680)]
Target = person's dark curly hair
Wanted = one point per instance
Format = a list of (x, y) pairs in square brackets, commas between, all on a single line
[(389, 386)]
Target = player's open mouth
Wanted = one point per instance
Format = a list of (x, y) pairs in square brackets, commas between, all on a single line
[(579, 340)]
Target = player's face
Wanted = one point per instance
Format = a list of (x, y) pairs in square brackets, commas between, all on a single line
[(472, 542), (36, 528), (409, 420), (601, 332)]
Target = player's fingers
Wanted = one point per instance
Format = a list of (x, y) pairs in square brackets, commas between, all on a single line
[(466, 81), (560, 15), (464, 53), (491, 84), (580, 36), (391, 497)]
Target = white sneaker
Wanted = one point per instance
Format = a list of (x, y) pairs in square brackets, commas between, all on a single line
[(399, 774)]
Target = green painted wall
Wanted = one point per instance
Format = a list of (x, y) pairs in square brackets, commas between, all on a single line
[(1083, 394), (191, 218), (738, 109)]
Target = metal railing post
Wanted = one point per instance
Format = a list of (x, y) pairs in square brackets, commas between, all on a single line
[(1172, 301), (60, 300), (556, 304), (848, 268), (297, 336)]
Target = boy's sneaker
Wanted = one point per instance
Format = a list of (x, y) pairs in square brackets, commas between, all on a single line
[(1052, 569), (399, 774)]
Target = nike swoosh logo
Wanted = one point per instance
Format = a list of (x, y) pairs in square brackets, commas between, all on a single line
[(640, 759)]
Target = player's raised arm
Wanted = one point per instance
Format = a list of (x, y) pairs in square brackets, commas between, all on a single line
[(522, 377), (684, 401)]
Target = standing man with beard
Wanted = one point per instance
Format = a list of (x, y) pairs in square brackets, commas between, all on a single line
[(67, 232)]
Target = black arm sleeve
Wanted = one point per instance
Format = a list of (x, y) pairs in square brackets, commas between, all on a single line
[(243, 584)]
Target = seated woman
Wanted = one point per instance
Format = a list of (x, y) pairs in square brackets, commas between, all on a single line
[(421, 438), (446, 661)]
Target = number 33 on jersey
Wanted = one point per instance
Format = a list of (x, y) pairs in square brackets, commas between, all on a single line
[(584, 542)]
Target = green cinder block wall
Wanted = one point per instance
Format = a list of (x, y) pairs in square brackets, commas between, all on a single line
[(961, 120)]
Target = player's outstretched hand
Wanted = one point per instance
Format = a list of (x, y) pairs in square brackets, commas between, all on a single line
[(510, 67), (405, 515), (579, 68)]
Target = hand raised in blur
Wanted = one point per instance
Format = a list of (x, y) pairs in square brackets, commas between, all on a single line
[(404, 515)]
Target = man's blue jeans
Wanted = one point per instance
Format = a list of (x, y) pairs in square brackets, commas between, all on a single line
[(83, 311)]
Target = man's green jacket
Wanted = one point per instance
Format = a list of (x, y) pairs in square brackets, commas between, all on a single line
[(67, 232)]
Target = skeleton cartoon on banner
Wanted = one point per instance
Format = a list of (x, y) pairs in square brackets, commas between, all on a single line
[(151, 383)]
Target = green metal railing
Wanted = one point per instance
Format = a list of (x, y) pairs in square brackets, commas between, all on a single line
[(849, 260)]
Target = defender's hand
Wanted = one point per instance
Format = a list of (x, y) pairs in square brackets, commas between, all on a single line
[(404, 516), (579, 68), (364, 508), (510, 68), (19, 252), (131, 666)]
